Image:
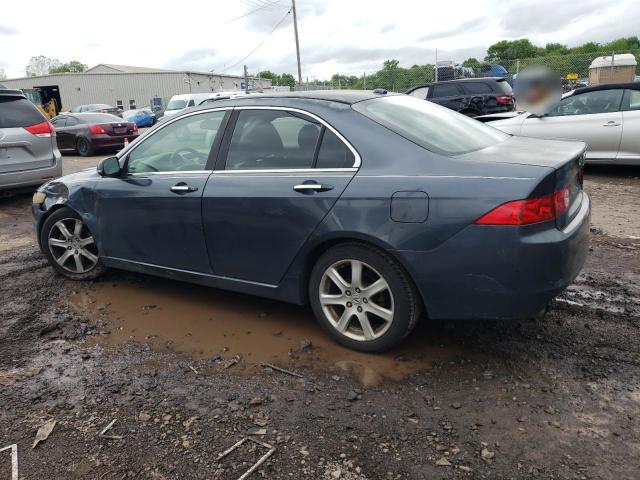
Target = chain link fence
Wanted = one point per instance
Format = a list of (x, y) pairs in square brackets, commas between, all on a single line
[(573, 69)]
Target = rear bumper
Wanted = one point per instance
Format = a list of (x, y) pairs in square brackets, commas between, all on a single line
[(111, 141), (491, 272), (32, 178)]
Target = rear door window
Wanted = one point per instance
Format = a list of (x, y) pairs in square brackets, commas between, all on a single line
[(476, 88), (59, 122), (333, 152), (18, 113), (445, 90), (632, 100), (272, 139)]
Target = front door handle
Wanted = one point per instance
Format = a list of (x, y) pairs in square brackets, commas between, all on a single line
[(183, 188), (611, 124), (312, 187)]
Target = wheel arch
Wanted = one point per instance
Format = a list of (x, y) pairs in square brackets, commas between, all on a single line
[(321, 246)]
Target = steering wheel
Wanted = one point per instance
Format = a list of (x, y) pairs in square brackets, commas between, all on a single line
[(185, 156)]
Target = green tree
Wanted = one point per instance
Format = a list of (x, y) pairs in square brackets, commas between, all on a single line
[(287, 79), (509, 50), (555, 49), (72, 66)]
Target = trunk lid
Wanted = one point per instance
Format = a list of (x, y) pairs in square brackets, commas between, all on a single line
[(20, 149)]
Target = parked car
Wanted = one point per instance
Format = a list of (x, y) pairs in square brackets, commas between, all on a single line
[(97, 108), (223, 96), (605, 117), (28, 152), (179, 103), (471, 97), (87, 133), (371, 207), (143, 117)]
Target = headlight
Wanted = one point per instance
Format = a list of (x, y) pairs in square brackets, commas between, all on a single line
[(38, 198)]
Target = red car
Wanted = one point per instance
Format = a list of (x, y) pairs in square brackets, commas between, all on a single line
[(87, 133)]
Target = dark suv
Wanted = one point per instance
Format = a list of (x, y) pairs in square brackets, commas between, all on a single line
[(470, 96)]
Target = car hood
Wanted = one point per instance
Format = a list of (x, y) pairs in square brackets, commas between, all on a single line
[(530, 151)]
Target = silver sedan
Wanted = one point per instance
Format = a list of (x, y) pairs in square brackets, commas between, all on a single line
[(605, 117)]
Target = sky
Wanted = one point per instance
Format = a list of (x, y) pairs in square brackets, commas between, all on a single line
[(345, 36)]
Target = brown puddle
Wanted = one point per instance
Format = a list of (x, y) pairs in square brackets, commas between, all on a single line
[(203, 322)]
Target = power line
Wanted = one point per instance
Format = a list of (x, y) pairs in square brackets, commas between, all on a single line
[(272, 4), (257, 46)]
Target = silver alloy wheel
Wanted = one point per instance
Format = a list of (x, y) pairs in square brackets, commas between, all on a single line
[(356, 300), (72, 246)]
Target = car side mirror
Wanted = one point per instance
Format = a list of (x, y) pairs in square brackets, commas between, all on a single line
[(109, 167)]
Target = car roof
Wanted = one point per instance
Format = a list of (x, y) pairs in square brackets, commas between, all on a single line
[(8, 92), (609, 86), (348, 97)]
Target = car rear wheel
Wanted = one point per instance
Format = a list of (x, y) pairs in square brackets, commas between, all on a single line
[(70, 246), (84, 147), (363, 298)]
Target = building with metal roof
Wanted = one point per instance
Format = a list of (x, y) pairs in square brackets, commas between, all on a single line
[(128, 87)]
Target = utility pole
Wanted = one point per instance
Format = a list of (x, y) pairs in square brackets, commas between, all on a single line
[(295, 29), (246, 80)]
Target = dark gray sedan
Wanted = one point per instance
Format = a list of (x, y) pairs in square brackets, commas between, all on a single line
[(373, 208)]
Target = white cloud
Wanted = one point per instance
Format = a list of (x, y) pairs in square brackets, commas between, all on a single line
[(336, 35)]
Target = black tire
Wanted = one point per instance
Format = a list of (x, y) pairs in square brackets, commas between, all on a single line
[(68, 215), (83, 146), (406, 303)]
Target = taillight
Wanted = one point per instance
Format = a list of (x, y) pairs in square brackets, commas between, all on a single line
[(504, 99), (531, 210), (44, 129), (97, 129)]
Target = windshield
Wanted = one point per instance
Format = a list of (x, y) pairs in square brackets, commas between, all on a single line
[(431, 126), (176, 104)]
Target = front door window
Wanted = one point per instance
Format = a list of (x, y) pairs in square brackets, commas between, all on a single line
[(183, 145)]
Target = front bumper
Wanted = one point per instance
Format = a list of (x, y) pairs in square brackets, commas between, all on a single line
[(493, 272)]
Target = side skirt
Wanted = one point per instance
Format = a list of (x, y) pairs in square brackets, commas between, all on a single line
[(276, 292)]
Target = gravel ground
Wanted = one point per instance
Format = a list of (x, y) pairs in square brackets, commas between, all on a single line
[(179, 369)]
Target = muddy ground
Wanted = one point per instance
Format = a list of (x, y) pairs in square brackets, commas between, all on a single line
[(179, 368)]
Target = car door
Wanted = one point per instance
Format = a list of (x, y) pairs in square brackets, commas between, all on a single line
[(279, 173), (448, 95), (593, 117), (61, 136), (67, 132), (630, 143), (151, 213)]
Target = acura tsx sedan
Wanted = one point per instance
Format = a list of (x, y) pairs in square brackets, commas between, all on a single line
[(374, 208)]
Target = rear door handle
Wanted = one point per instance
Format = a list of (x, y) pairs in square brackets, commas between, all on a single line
[(611, 124), (312, 187), (183, 188)]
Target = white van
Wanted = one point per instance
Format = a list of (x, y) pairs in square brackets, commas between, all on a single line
[(186, 100)]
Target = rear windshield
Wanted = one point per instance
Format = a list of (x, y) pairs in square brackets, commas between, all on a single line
[(504, 86), (99, 118), (18, 112), (431, 126), (176, 104), (100, 106)]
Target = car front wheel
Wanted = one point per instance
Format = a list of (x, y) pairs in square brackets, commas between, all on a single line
[(363, 298), (70, 246)]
